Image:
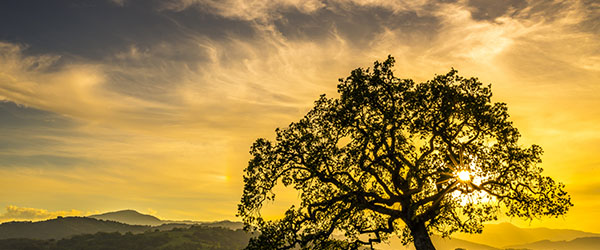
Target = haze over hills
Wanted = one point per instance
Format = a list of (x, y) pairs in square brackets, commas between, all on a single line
[(439, 243), (133, 217), (119, 221), (585, 243), (495, 236), (506, 234)]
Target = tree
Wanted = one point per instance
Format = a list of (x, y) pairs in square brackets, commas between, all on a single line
[(391, 157)]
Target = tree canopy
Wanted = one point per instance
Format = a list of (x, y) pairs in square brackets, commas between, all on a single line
[(395, 158)]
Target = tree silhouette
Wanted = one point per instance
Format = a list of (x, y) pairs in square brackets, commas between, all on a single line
[(390, 157)]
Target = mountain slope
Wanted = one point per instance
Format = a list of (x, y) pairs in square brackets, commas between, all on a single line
[(586, 243), (506, 234), (130, 217), (194, 237), (494, 237), (119, 221), (63, 227), (133, 217)]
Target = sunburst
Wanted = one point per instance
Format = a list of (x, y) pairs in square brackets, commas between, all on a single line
[(463, 175)]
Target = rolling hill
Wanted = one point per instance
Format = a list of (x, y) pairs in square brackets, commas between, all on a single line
[(439, 243), (119, 221), (114, 226), (133, 217), (64, 227), (585, 243), (505, 234), (194, 237), (130, 217)]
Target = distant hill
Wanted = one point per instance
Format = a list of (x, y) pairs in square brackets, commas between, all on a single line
[(194, 237), (452, 244), (119, 221), (130, 217), (502, 236), (133, 217), (586, 243), (506, 234), (494, 237), (63, 227)]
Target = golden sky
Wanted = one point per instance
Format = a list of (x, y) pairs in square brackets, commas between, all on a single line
[(153, 105)]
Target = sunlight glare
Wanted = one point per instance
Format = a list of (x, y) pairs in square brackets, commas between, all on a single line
[(464, 175)]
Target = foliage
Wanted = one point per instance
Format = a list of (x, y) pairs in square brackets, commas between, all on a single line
[(393, 157)]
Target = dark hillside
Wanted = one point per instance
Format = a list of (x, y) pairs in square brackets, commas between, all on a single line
[(63, 227), (195, 237)]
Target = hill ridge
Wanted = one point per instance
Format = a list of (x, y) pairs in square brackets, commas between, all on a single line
[(505, 234), (129, 216), (582, 243), (495, 236)]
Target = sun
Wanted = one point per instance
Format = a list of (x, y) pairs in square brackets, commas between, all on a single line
[(464, 175)]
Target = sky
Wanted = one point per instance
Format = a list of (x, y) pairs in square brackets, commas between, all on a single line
[(153, 105)]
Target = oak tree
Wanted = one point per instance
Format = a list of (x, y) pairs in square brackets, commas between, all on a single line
[(393, 158)]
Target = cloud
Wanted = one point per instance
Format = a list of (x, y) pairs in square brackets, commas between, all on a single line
[(268, 11), (151, 211), (205, 52), (215, 68), (490, 10), (247, 10), (76, 90), (119, 2), (80, 30), (15, 213), (221, 72)]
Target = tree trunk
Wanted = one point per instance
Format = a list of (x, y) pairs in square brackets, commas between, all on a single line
[(421, 237)]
